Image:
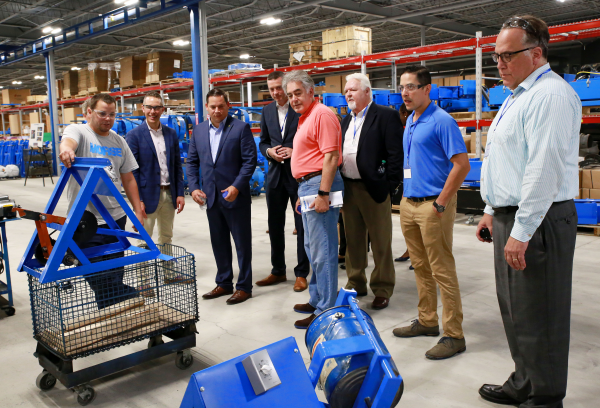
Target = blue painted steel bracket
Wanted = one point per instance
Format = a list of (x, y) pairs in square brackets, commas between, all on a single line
[(91, 176), (228, 385)]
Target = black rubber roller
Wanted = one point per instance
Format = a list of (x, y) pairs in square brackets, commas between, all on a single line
[(88, 225), (345, 392)]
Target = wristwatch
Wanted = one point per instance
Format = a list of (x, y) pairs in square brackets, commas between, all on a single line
[(323, 193), (439, 208)]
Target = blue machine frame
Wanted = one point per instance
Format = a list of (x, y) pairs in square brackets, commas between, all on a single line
[(6, 287), (91, 176), (227, 384)]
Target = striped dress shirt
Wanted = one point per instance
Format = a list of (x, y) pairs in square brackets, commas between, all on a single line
[(532, 151)]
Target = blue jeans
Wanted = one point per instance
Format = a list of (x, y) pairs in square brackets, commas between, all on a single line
[(321, 245)]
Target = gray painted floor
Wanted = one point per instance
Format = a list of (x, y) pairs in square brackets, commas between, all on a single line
[(228, 331)]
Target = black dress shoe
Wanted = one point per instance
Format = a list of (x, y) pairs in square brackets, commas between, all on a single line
[(495, 394), (402, 259)]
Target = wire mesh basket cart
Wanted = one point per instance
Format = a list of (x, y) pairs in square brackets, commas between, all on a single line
[(84, 315)]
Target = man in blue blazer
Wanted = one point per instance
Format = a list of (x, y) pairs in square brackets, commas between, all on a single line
[(223, 148), (159, 177), (278, 126)]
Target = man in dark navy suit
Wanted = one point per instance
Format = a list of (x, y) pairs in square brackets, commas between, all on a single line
[(223, 148), (278, 126), (159, 177)]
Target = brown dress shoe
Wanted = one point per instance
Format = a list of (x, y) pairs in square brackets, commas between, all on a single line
[(304, 323), (217, 292), (271, 280), (238, 297), (300, 285), (295, 231), (380, 302), (304, 308)]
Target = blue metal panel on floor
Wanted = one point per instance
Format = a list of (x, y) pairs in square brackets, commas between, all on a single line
[(228, 385)]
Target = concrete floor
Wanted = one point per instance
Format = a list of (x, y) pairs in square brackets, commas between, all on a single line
[(228, 331)]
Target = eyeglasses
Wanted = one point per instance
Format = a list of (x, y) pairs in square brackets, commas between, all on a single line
[(153, 108), (410, 87), (518, 22), (102, 114), (506, 57)]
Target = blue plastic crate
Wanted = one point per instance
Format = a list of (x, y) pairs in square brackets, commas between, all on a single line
[(243, 65), (587, 211), (184, 74), (475, 172), (450, 92), (381, 97), (214, 71), (334, 99)]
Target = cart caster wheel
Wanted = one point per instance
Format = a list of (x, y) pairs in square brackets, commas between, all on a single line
[(155, 341), (184, 359), (10, 311), (86, 395), (45, 381)]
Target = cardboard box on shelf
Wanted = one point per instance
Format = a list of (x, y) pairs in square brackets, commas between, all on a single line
[(580, 176), (467, 140), (586, 179), (595, 193), (333, 84), (99, 80), (162, 65), (14, 124), (34, 117), (137, 113), (234, 96), (595, 173), (32, 99), (346, 41), (264, 96), (452, 81), (133, 71), (70, 83), (474, 141), (83, 81), (70, 115), (320, 90), (15, 96), (584, 193)]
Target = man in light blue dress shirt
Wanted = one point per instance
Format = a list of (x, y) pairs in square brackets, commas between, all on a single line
[(528, 181)]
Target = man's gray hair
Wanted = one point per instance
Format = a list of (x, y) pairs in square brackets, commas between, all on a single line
[(299, 76), (363, 80)]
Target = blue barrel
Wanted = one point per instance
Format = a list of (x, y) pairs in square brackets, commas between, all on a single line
[(342, 377)]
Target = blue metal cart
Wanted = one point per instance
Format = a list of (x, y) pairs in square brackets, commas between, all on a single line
[(6, 287)]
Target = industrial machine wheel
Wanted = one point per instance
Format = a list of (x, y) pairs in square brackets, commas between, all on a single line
[(10, 311), (85, 395), (155, 341), (184, 359), (45, 381)]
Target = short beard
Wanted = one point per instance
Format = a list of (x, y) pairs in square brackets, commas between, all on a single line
[(352, 105)]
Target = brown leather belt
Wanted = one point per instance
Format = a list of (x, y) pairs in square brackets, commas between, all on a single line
[(165, 187), (309, 176)]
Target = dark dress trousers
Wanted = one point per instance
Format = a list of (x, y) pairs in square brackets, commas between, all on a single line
[(234, 165), (147, 175), (281, 189), (385, 123)]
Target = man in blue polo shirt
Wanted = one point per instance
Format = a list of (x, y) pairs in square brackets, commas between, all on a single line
[(435, 166)]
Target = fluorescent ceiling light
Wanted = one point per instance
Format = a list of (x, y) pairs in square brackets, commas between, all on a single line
[(130, 2), (75, 69), (245, 56), (270, 21), (47, 30), (119, 2), (17, 82), (56, 31), (181, 42), (39, 77), (1, 86)]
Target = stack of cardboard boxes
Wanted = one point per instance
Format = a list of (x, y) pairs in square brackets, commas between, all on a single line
[(471, 143), (133, 71), (589, 183), (306, 52), (162, 65), (346, 41), (70, 84)]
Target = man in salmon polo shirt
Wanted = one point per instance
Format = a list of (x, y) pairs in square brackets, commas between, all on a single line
[(317, 156)]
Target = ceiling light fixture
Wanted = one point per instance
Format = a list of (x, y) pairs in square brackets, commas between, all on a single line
[(245, 56), (181, 42), (39, 77), (130, 2), (17, 82), (56, 31), (119, 2), (75, 69), (270, 21), (47, 30)]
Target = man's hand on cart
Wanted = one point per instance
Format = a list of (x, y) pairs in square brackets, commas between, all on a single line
[(67, 156)]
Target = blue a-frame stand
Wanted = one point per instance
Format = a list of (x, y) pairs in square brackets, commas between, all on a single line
[(91, 176)]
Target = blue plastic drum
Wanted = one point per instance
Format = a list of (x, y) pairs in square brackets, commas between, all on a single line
[(342, 377)]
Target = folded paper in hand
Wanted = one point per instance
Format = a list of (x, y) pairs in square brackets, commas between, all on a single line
[(336, 200)]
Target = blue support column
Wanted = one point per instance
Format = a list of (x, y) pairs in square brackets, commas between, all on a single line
[(195, 25), (52, 108)]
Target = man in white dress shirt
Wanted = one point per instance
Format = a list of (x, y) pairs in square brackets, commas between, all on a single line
[(160, 175), (528, 181), (372, 169)]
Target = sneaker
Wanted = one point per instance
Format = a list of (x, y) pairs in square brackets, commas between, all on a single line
[(447, 347), (304, 308), (416, 329)]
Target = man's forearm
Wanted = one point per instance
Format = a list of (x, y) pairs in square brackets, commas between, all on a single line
[(131, 190), (453, 182), (330, 163), (67, 144)]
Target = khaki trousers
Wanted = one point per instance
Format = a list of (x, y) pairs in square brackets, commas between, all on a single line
[(429, 242), (164, 215), (362, 215)]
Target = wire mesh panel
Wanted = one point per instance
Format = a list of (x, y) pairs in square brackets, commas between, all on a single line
[(84, 315)]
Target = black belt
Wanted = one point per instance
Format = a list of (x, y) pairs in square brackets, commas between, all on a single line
[(309, 176), (506, 210), (167, 187), (421, 199)]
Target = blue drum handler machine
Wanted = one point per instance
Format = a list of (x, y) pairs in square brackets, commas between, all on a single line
[(349, 362)]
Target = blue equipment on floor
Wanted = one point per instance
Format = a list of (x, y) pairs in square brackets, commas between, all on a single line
[(349, 360), (44, 262), (461, 98)]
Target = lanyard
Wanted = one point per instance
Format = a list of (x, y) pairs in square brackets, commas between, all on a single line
[(507, 106), (284, 120), (361, 122), (411, 130)]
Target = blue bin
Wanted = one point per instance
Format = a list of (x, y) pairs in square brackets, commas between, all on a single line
[(587, 211), (450, 92), (381, 97), (334, 99), (396, 99), (475, 172), (346, 376)]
